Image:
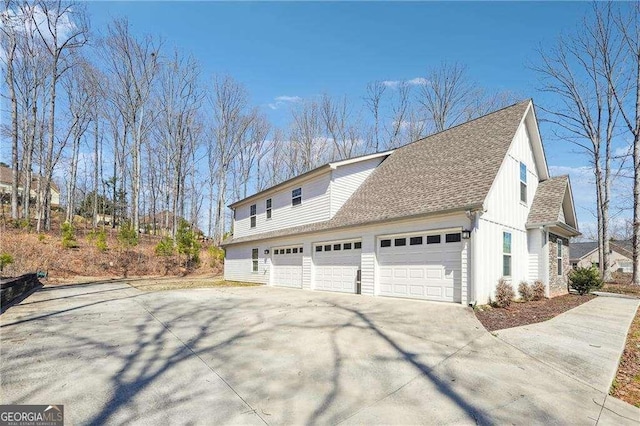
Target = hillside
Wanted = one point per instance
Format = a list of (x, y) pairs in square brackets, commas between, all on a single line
[(45, 252)]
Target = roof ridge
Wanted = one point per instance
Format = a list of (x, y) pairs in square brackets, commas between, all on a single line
[(467, 122)]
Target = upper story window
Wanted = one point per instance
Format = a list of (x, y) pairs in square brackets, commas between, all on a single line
[(252, 212), (268, 206), (296, 197), (506, 254), (559, 257), (523, 182)]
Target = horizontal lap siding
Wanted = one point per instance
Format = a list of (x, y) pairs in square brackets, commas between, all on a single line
[(235, 267), (346, 179), (315, 207), (238, 264)]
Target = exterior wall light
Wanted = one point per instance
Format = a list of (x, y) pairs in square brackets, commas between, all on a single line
[(466, 234), (266, 251)]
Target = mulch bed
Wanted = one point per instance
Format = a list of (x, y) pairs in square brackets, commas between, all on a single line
[(626, 385), (523, 313)]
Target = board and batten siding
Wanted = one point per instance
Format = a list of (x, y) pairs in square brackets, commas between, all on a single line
[(346, 179), (505, 212), (315, 207), (238, 256)]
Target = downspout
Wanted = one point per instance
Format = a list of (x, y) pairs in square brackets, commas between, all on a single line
[(474, 219)]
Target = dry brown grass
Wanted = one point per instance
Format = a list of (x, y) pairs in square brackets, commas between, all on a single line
[(626, 385), (32, 252), (185, 283)]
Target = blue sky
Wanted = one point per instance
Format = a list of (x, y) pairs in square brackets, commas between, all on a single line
[(303, 49)]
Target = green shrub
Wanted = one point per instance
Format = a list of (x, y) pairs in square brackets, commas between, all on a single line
[(41, 237), (127, 235), (504, 293), (68, 236), (187, 242), (101, 240), (538, 291), (524, 289), (583, 280), (216, 256), (165, 247), (5, 260)]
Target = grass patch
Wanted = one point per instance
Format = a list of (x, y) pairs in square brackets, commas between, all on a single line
[(185, 283), (619, 288), (626, 385)]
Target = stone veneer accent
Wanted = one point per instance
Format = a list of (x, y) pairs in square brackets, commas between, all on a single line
[(558, 284)]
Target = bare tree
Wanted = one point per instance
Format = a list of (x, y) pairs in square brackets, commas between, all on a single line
[(62, 28), (307, 145), (229, 102), (586, 115), (626, 89), (400, 109), (373, 99), (10, 23), (133, 65), (340, 127), (447, 95)]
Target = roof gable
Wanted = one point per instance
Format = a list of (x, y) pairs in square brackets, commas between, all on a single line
[(553, 203), (450, 170)]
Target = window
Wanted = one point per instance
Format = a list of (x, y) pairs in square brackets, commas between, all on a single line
[(346, 246), (357, 245), (523, 182), (385, 243), (506, 254), (254, 260), (453, 238), (252, 211), (559, 257), (318, 248), (300, 249), (399, 242), (433, 239), (269, 208), (337, 246), (327, 247), (295, 250), (415, 241), (296, 197)]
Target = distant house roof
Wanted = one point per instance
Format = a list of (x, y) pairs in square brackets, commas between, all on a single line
[(449, 171), (6, 177), (580, 249)]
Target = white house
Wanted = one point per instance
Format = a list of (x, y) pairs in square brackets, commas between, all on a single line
[(442, 218)]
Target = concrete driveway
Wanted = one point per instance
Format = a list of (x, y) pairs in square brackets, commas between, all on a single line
[(112, 354)]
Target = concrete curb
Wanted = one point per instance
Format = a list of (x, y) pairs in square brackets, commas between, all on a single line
[(621, 296)]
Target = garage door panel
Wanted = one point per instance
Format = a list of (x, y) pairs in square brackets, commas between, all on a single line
[(287, 268), (336, 270), (423, 271)]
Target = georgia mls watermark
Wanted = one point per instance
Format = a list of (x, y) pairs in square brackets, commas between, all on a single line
[(31, 415)]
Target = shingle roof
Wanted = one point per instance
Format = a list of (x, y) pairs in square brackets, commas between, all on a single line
[(6, 177), (581, 249), (548, 200), (448, 171)]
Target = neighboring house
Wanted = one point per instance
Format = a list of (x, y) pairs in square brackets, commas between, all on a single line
[(161, 223), (585, 254), (442, 218), (5, 187)]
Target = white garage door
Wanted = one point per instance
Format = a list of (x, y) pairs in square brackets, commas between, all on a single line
[(421, 266), (287, 266), (336, 266)]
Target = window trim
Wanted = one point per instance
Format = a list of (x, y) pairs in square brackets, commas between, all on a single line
[(507, 254), (253, 209), (386, 242), (456, 237), (559, 256), (416, 241), (296, 200), (255, 260), (268, 203), (434, 236), (523, 184)]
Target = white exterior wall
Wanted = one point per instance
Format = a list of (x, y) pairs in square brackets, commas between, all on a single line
[(315, 207), (346, 179), (506, 213), (238, 256)]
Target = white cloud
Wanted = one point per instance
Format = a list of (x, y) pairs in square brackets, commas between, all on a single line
[(279, 101), (416, 81)]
